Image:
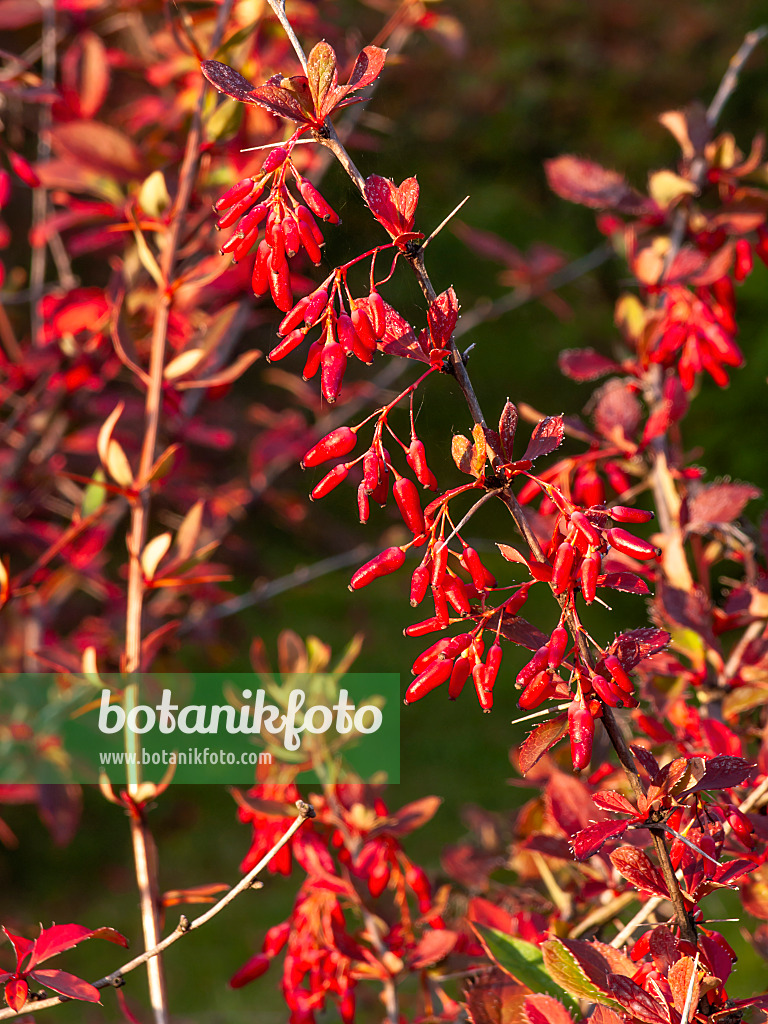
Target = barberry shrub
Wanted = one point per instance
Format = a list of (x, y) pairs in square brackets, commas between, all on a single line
[(647, 746)]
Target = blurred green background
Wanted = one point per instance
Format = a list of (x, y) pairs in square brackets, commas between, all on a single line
[(534, 79)]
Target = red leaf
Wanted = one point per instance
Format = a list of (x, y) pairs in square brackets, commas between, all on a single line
[(394, 207), (367, 67), (626, 582), (637, 1001), (507, 427), (410, 817), (251, 969), (540, 740), (227, 80), (99, 147), (543, 1009), (722, 772), (585, 364), (679, 978), (547, 435), (65, 984), (616, 410), (442, 315), (646, 759), (21, 945), (16, 992), (639, 870), (399, 338), (432, 947), (582, 181), (569, 803), (60, 937), (719, 503), (587, 842), (609, 800)]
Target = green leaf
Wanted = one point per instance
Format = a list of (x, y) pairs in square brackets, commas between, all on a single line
[(94, 495), (524, 961), (321, 75), (564, 969)]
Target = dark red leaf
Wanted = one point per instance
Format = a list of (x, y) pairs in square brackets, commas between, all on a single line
[(719, 503), (626, 582), (414, 815), (636, 644), (617, 410), (227, 80), (587, 842), (582, 181), (639, 870), (442, 315), (279, 101), (569, 803), (65, 984), (399, 338), (508, 427), (585, 364), (722, 772), (663, 948), (547, 435), (637, 1002), (646, 759), (393, 206), (540, 740), (367, 67)]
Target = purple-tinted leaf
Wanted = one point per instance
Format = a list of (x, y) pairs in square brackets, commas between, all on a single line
[(617, 410), (399, 337), (519, 631), (568, 803), (442, 315), (279, 101), (540, 740), (722, 772), (227, 80), (663, 948), (719, 503), (627, 582), (587, 842), (635, 645), (582, 181), (548, 435), (646, 759), (585, 364), (65, 984)]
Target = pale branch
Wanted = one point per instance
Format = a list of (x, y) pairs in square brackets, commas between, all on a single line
[(184, 927)]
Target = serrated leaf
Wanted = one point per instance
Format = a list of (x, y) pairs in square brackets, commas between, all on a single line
[(461, 450), (281, 102), (638, 1002), (639, 870), (565, 970), (723, 772), (542, 1009), (587, 842), (523, 961), (539, 741), (367, 68), (626, 582)]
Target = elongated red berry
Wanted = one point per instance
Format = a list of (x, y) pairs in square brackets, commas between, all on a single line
[(388, 561), (233, 195), (280, 281), (407, 498), (276, 938), (419, 584), (431, 654), (363, 328), (329, 482), (618, 673), (456, 593), (743, 263), (581, 726), (293, 317), (430, 625), (441, 606), (513, 604), (316, 303), (459, 675), (333, 364), (557, 645), (377, 314), (314, 356), (484, 692), (481, 577), (363, 505), (260, 278), (311, 247), (335, 445), (607, 691), (287, 345), (561, 567), (533, 667), (417, 460), (345, 332), (434, 675), (316, 202), (233, 214), (275, 158), (381, 490), (590, 570), (624, 514), (439, 563), (539, 689), (251, 969), (253, 218), (291, 235), (492, 664), (584, 526), (627, 544)]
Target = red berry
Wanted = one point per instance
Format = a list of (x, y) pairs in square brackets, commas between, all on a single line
[(383, 564), (335, 445)]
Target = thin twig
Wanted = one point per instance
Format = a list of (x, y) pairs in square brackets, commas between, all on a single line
[(184, 926), (40, 195)]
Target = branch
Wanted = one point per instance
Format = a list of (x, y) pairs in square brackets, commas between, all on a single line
[(184, 927)]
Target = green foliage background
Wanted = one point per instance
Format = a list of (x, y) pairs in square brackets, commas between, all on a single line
[(536, 78)]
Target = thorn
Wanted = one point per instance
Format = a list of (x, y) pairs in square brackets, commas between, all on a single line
[(442, 224)]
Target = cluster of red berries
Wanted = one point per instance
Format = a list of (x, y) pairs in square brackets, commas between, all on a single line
[(342, 333), (289, 225)]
